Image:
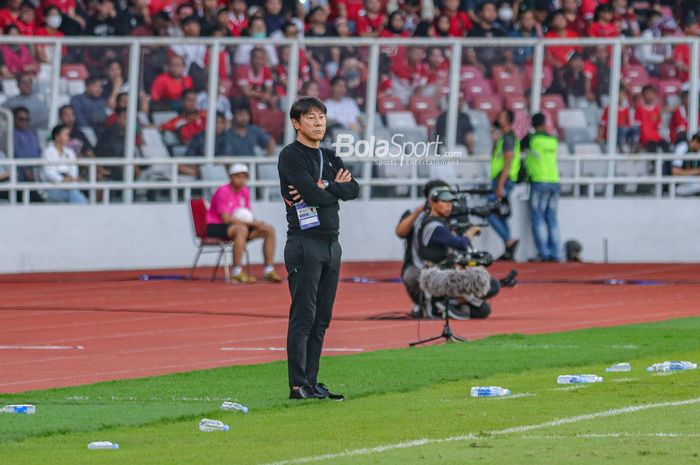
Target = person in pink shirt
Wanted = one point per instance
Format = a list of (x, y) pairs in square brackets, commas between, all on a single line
[(230, 217)]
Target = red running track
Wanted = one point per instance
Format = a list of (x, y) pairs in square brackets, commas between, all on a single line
[(76, 328)]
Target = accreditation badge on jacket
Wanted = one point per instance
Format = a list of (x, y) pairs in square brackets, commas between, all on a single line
[(308, 216)]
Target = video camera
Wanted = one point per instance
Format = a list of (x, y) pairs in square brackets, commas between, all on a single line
[(460, 219)]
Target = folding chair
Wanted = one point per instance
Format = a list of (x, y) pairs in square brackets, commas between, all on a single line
[(205, 244)]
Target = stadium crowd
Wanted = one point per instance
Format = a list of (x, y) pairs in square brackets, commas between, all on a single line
[(253, 78)]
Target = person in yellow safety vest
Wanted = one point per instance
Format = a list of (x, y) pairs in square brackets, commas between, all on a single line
[(505, 166), (543, 173)]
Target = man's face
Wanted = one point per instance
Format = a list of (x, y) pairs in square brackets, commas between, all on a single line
[(451, 5), (192, 29), (68, 117), (121, 119), (527, 20), (220, 125), (694, 145), (339, 89), (258, 59), (311, 125), (176, 67), (94, 89), (22, 120), (373, 6), (273, 7), (489, 12), (189, 102), (435, 57), (241, 118), (443, 208), (503, 120), (570, 6), (114, 70), (25, 84), (649, 97), (239, 180)]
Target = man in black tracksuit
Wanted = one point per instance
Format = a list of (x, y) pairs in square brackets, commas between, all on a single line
[(312, 181)]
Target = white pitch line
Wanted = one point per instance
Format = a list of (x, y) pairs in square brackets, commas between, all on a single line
[(282, 349), (28, 347), (472, 436), (612, 436)]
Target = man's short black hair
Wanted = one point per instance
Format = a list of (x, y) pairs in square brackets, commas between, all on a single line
[(57, 130), (188, 92), (304, 105), (188, 20), (64, 108), (538, 119), (18, 110), (510, 114), (648, 88), (696, 137), (92, 79), (337, 79), (432, 184)]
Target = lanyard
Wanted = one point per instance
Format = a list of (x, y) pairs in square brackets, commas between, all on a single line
[(320, 164)]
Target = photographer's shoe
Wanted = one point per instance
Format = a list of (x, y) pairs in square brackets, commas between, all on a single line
[(304, 392), (325, 393)]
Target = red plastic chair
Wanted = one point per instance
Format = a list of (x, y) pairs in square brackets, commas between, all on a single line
[(552, 103), (205, 244), (74, 71), (510, 87), (272, 121), (491, 104), (389, 103), (477, 87)]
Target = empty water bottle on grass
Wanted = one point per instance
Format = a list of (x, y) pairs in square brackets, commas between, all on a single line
[(578, 379), (210, 426), (672, 366), (618, 367), (489, 391), (234, 406), (25, 409), (97, 445)]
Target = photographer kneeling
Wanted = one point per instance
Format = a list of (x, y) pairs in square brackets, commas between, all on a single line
[(472, 286)]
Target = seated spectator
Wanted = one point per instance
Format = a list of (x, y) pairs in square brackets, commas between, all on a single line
[(111, 143), (371, 20), (274, 16), (90, 108), (409, 72), (26, 142), (681, 52), (603, 24), (245, 136), (573, 81), (16, 58), (256, 30), (223, 223), (625, 18), (598, 69), (442, 25), (558, 56), (678, 126), (339, 54), (38, 111), (194, 54), (237, 19), (190, 122), (486, 57), (58, 151), (280, 71), (438, 68), (208, 17), (647, 115), (460, 23), (350, 9), (78, 142), (223, 145), (168, 88), (52, 21), (114, 84), (10, 13), (464, 135), (681, 167), (412, 15), (526, 28), (342, 110), (627, 133), (576, 16), (309, 89), (223, 104), (27, 19), (255, 81), (652, 55), (395, 26)]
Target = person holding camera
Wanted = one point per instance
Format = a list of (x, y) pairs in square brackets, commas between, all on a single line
[(412, 263), (436, 239), (505, 168)]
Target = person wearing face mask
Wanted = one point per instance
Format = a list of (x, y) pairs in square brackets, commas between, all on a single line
[(505, 16), (256, 30)]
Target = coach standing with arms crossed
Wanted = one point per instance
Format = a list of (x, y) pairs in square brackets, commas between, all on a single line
[(312, 180)]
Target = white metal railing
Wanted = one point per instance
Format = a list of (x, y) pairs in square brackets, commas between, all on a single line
[(662, 185), (453, 45)]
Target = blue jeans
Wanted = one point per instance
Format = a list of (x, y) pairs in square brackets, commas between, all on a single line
[(497, 222), (544, 202), (66, 196)]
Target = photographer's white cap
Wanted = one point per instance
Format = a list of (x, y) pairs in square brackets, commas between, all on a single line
[(237, 168)]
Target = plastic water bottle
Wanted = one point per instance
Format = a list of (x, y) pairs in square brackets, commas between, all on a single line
[(102, 445), (234, 406), (26, 409), (489, 391), (672, 366), (619, 367), (578, 379), (209, 426)]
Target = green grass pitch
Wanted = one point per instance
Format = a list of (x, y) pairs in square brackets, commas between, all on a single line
[(404, 406)]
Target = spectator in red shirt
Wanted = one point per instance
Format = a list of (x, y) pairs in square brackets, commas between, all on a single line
[(395, 26), (27, 19), (255, 81), (603, 25), (647, 115), (67, 7), (438, 67), (167, 90), (442, 25), (409, 72), (236, 19), (559, 55), (348, 8), (15, 57), (678, 126), (681, 52), (190, 122), (371, 21), (460, 24), (10, 14), (625, 18), (53, 20), (575, 21), (411, 11), (627, 134)]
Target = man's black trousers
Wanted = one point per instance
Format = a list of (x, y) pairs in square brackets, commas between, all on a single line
[(313, 266)]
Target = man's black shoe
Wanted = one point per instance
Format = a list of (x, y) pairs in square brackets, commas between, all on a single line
[(304, 392), (325, 393)]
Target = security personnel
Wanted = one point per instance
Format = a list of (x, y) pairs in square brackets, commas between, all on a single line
[(505, 167), (312, 180), (543, 173)]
